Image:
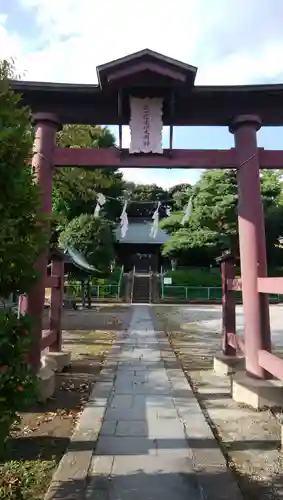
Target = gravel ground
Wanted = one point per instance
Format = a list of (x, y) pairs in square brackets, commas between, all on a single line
[(250, 440), (209, 318)]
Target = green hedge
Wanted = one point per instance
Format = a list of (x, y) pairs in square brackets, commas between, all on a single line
[(195, 277), (110, 279), (206, 277)]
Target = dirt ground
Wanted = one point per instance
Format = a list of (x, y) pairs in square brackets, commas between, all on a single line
[(39, 442), (250, 440)]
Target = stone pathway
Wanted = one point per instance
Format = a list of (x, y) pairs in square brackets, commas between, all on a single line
[(143, 450), (142, 434)]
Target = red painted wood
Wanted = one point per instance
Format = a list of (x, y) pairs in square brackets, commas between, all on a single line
[(270, 285), (200, 105), (270, 159), (46, 126), (271, 363), (22, 304), (48, 340), (236, 343), (234, 284), (251, 241), (112, 157), (181, 158), (56, 305), (228, 307), (52, 281)]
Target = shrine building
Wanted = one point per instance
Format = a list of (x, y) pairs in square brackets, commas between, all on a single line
[(138, 249)]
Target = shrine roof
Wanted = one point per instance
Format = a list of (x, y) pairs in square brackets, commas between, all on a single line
[(139, 233), (154, 74)]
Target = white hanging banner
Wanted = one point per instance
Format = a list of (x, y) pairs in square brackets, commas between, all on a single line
[(100, 202), (155, 224), (187, 212), (146, 125), (124, 224)]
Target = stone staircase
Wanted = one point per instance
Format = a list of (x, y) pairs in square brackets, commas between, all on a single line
[(141, 289)]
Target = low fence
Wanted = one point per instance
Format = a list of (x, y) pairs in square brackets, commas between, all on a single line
[(205, 294), (105, 291), (190, 293), (76, 289)]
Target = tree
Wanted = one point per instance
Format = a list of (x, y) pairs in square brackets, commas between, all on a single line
[(21, 240), (172, 223), (75, 189), (21, 229), (180, 194), (271, 191), (144, 198), (214, 215), (87, 136), (199, 246), (93, 237)]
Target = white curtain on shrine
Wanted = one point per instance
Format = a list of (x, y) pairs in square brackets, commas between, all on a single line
[(146, 125)]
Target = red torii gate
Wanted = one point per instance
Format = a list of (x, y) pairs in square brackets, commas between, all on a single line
[(241, 108)]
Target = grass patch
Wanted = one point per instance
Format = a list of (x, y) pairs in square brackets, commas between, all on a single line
[(25, 480), (37, 445)]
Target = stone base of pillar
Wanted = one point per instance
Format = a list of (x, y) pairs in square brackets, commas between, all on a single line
[(256, 393), (46, 383), (49, 362), (60, 360), (226, 365)]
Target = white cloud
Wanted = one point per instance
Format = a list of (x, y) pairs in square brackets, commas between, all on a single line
[(231, 42), (10, 45)]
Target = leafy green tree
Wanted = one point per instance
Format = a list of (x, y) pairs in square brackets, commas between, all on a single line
[(197, 247), (75, 189), (140, 194), (214, 216), (180, 194), (22, 238), (86, 136), (271, 191), (172, 223), (93, 237), (21, 230)]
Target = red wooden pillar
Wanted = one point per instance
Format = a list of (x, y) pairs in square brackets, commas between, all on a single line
[(252, 242), (56, 305), (46, 126), (228, 305)]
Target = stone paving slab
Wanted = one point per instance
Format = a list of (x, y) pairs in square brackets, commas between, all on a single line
[(69, 481), (142, 435), (136, 478), (154, 443)]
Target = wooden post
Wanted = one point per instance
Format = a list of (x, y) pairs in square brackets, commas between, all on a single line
[(46, 126), (83, 294), (227, 263), (56, 306), (88, 294), (252, 242)]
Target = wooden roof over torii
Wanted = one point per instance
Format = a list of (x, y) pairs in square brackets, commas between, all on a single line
[(185, 103)]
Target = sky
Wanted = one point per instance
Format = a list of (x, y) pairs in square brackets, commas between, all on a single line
[(230, 42)]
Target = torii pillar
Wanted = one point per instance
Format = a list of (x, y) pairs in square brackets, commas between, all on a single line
[(252, 243), (46, 126)]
